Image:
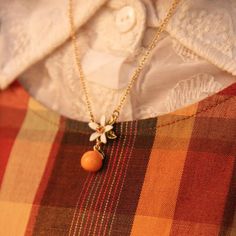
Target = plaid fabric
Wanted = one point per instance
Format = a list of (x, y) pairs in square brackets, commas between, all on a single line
[(170, 175)]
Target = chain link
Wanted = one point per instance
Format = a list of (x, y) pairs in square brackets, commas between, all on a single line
[(136, 72)]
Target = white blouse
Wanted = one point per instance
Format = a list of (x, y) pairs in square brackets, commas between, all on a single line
[(194, 58)]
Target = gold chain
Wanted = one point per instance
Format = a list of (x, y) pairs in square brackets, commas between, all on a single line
[(136, 72)]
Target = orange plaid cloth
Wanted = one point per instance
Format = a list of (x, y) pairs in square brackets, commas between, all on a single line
[(169, 175)]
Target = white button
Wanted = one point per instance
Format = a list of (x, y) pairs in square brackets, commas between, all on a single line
[(125, 19)]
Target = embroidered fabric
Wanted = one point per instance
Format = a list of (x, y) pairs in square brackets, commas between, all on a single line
[(179, 73), (191, 90)]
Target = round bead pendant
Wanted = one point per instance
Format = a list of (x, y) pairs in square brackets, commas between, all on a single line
[(92, 161)]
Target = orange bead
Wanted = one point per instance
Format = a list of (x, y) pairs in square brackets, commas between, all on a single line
[(91, 161)]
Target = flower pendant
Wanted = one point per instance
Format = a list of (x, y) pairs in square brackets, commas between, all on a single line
[(92, 160)]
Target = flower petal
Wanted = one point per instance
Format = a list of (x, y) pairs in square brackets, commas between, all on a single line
[(108, 128), (93, 125), (103, 138), (94, 136), (103, 121)]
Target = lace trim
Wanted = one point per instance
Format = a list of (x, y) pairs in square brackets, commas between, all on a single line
[(191, 90)]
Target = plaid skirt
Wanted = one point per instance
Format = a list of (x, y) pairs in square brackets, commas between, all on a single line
[(169, 175)]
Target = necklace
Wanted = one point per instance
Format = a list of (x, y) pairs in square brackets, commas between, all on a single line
[(92, 160)]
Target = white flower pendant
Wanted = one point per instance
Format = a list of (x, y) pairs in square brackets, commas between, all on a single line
[(92, 160), (100, 130)]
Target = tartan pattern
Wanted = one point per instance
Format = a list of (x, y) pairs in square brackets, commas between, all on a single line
[(169, 175)]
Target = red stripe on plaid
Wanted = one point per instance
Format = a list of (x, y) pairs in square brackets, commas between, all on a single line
[(228, 224), (206, 177), (13, 100)]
